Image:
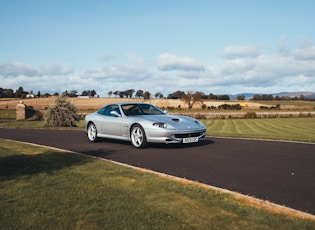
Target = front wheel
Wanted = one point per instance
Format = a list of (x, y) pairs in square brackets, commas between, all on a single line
[(138, 138), (92, 133)]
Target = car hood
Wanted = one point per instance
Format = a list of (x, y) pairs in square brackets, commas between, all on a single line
[(175, 121)]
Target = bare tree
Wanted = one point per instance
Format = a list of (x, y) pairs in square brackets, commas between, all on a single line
[(191, 98)]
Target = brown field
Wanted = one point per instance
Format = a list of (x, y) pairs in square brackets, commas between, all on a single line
[(96, 103)]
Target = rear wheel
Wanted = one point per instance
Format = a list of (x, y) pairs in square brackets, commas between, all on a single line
[(138, 138), (92, 132)]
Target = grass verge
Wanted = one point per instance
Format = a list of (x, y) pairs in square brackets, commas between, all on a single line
[(35, 125), (7, 114), (48, 189)]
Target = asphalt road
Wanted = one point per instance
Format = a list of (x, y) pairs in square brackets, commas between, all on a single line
[(280, 172)]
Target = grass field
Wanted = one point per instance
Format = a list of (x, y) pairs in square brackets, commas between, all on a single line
[(46, 189), (96, 103), (290, 129)]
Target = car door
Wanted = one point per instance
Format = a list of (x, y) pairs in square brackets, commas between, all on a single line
[(110, 124)]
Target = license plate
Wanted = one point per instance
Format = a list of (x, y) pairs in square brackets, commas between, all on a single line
[(190, 140)]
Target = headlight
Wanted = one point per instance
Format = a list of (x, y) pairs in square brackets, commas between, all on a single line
[(160, 125)]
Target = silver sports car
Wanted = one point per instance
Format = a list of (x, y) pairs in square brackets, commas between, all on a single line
[(141, 123)]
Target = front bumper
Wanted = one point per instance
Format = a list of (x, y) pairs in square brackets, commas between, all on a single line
[(175, 136)]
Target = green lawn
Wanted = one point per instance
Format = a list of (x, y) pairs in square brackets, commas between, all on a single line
[(291, 129), (46, 189)]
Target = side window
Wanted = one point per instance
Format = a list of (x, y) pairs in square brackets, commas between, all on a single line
[(112, 108), (102, 111), (106, 110)]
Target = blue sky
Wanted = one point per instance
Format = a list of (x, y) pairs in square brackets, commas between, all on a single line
[(224, 46)]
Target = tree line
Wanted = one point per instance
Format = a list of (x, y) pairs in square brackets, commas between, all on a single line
[(189, 97), (270, 97), (130, 93), (21, 93)]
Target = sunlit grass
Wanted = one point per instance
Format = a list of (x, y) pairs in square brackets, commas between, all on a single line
[(292, 129)]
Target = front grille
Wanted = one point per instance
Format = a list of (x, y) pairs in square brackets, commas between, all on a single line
[(184, 135)]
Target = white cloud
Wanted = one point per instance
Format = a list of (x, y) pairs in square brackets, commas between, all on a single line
[(118, 73), (240, 52), (237, 66), (305, 53), (169, 62), (18, 68), (241, 69)]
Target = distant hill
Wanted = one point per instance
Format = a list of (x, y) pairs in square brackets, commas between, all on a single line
[(296, 94), (282, 94)]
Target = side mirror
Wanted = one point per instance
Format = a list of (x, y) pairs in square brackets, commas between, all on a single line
[(115, 113), (165, 111)]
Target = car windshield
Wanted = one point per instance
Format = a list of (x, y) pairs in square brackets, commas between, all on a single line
[(141, 109)]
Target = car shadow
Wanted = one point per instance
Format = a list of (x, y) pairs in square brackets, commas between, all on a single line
[(178, 146), (126, 147), (158, 145)]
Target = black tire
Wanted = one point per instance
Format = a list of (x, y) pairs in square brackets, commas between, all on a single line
[(138, 137), (92, 132)]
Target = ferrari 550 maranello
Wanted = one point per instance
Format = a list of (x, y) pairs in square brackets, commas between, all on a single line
[(142, 123)]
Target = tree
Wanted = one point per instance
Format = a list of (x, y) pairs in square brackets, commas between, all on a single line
[(20, 93), (110, 93), (158, 95), (191, 98), (240, 97), (65, 94), (256, 97), (62, 114), (90, 93), (9, 93), (121, 94), (212, 96), (4, 93), (146, 95), (84, 93), (73, 93), (129, 93), (267, 97), (139, 93), (176, 95), (224, 97)]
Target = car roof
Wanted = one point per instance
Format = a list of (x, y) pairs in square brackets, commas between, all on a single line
[(130, 103)]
